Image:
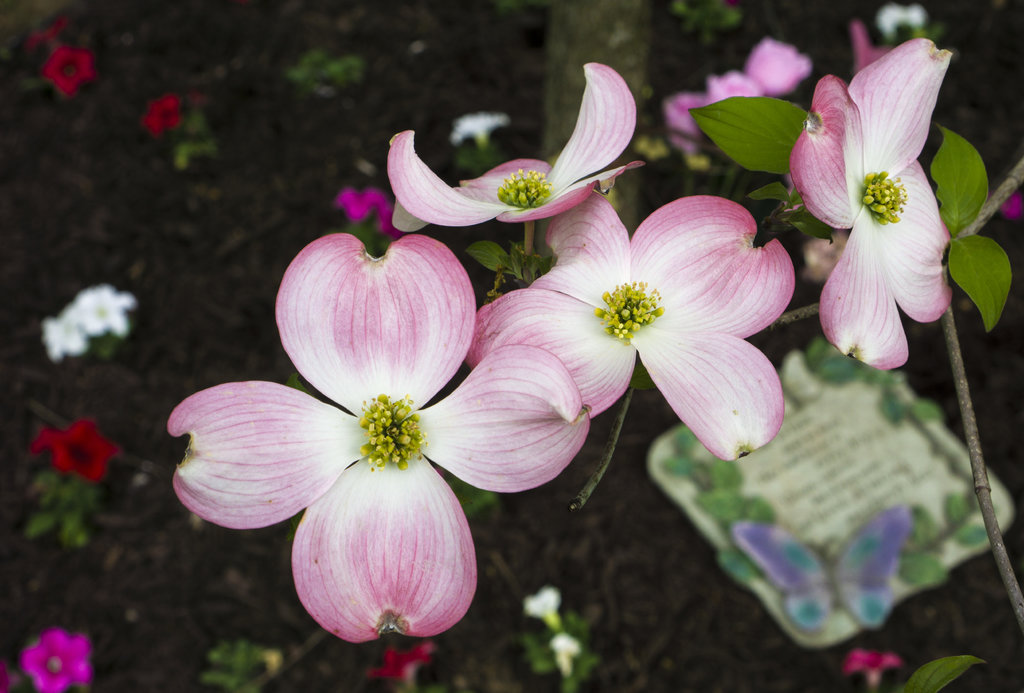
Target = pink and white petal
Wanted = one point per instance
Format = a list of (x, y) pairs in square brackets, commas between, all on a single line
[(385, 551), (603, 128), (428, 198), (858, 310), (896, 95), (592, 250), (513, 424), (600, 364), (357, 327), (828, 145), (698, 253), (722, 387), (259, 452), (912, 251), (485, 188)]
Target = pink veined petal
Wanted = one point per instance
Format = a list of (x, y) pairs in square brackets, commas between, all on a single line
[(513, 424), (428, 198), (357, 327), (600, 364), (858, 310), (592, 250), (603, 128), (722, 387), (896, 95), (698, 253), (569, 197), (912, 249), (864, 52), (822, 153), (485, 188), (385, 550), (259, 452)]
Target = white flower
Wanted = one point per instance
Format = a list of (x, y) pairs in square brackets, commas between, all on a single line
[(102, 309), (892, 16), (63, 336), (477, 126), (566, 648), (543, 604)]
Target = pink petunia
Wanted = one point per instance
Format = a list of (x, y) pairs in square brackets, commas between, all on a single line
[(871, 664), (777, 67), (80, 449), (1013, 208), (683, 130), (58, 661), (357, 205), (68, 68), (163, 113), (402, 666), (855, 163)]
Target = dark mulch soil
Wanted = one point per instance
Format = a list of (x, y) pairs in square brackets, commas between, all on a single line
[(88, 197)]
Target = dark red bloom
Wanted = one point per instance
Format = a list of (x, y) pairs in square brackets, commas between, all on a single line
[(80, 449), (402, 666), (162, 114), (69, 68), (46, 35)]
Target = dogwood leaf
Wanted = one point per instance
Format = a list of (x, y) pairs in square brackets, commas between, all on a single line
[(962, 182), (757, 132), (982, 269)]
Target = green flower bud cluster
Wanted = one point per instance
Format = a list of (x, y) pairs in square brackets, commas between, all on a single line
[(392, 431), (884, 197), (525, 190), (630, 307)]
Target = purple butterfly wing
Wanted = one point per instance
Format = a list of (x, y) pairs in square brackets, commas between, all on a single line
[(869, 563)]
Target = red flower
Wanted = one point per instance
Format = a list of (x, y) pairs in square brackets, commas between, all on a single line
[(69, 68), (80, 449), (46, 35), (162, 114), (402, 666)]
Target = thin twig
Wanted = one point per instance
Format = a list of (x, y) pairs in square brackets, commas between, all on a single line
[(609, 449), (1013, 180), (794, 315), (981, 485), (529, 228), (268, 676)]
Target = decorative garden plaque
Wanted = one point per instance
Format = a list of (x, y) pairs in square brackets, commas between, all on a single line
[(862, 499)]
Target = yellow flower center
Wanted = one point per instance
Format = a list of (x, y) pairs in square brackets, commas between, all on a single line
[(392, 431), (525, 189), (630, 307), (885, 197)]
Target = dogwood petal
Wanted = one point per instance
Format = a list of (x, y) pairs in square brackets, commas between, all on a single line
[(592, 248), (829, 144), (912, 251), (698, 253), (357, 327), (426, 197), (603, 128), (896, 95), (513, 424), (259, 452), (858, 310), (600, 364), (722, 387), (385, 550)]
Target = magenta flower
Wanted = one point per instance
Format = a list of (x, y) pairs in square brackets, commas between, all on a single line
[(778, 67), (683, 293), (402, 666), (357, 205), (870, 663), (856, 166), (864, 52), (58, 661), (1013, 208), (732, 83), (384, 545), (522, 189), (683, 130)]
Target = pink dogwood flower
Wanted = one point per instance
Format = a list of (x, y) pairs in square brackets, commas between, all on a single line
[(384, 545), (855, 163), (778, 67), (732, 83), (684, 133), (682, 294), (522, 189), (58, 661), (864, 52), (872, 664)]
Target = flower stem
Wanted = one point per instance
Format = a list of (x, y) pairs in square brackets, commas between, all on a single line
[(528, 229), (982, 489), (609, 449), (1013, 180), (794, 315)]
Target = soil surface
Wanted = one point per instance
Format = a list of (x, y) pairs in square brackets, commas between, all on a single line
[(87, 196)]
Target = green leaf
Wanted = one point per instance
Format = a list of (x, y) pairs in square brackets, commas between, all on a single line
[(922, 570), (295, 382), (957, 508), (737, 565), (971, 535), (641, 379), (924, 409), (925, 530), (807, 224), (759, 510), (893, 408), (934, 675), (39, 524), (724, 505), (772, 191), (726, 474), (678, 465), (758, 132), (489, 254), (959, 173), (980, 266)]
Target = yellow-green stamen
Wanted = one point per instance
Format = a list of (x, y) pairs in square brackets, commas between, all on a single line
[(885, 197), (525, 189), (630, 307), (393, 432)]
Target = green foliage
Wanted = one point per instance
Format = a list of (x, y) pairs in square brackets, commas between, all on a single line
[(925, 530), (737, 565), (924, 409), (679, 465), (893, 408), (320, 73), (935, 675), (957, 508), (758, 509), (959, 173), (706, 17), (726, 474), (233, 664), (516, 263), (476, 159), (982, 269), (193, 139), (475, 502), (66, 506), (725, 505), (757, 132), (641, 379), (538, 652), (971, 535), (922, 569), (294, 381)]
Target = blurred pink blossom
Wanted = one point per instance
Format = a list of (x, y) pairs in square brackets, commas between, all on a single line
[(683, 130), (864, 52), (872, 664), (732, 83), (1013, 208), (357, 205), (58, 661), (778, 67)]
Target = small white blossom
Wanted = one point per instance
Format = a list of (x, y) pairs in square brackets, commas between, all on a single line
[(892, 16), (566, 648), (102, 309), (543, 604), (477, 126), (63, 336)]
